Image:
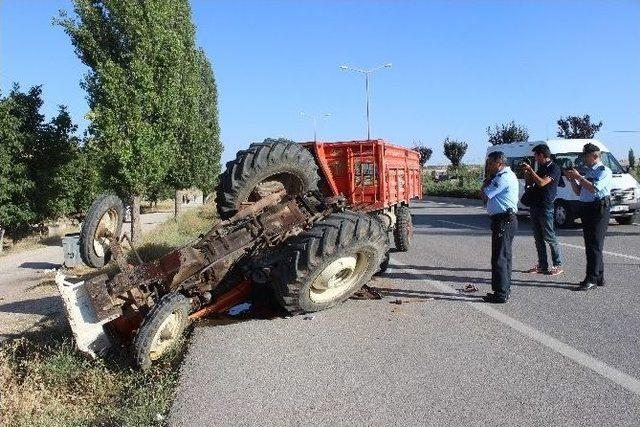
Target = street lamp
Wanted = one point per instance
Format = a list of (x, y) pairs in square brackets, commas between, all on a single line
[(366, 82), (315, 122)]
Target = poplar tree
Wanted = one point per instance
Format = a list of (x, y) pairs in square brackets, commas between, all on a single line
[(143, 90), (207, 178)]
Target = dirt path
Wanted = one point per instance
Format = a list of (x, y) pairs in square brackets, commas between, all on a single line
[(27, 298)]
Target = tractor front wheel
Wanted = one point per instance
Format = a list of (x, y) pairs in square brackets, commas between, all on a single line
[(102, 223), (161, 329)]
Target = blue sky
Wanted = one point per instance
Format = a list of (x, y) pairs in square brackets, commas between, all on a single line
[(458, 67)]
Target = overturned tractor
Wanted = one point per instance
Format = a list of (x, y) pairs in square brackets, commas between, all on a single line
[(309, 221)]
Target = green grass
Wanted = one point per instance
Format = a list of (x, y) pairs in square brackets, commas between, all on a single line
[(465, 183), (44, 381)]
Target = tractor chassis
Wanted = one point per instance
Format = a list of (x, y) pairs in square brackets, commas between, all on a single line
[(214, 273)]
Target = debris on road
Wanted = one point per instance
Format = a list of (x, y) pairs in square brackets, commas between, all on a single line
[(469, 288), (309, 317), (367, 292), (400, 302)]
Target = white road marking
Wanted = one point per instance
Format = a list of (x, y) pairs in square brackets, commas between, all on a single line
[(473, 227), (598, 366), (604, 252), (462, 225)]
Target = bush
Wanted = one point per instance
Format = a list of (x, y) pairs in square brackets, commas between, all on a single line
[(464, 182)]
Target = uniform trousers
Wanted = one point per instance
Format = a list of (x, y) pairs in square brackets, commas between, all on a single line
[(503, 230), (595, 221)]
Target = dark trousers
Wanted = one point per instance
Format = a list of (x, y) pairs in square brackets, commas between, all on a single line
[(595, 221), (503, 229), (544, 232)]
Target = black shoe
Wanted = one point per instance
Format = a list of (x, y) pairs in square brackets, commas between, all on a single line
[(601, 282), (586, 286), (494, 299)]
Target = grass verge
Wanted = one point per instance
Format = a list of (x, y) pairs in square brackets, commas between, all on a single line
[(44, 381)]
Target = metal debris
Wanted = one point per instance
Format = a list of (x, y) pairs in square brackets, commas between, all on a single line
[(400, 302), (366, 292)]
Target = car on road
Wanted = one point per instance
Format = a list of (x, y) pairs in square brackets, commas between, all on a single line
[(567, 153)]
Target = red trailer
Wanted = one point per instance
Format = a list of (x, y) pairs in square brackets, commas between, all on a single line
[(373, 174)]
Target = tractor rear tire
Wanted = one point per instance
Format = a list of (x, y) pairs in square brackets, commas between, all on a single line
[(403, 233), (161, 329), (324, 266), (105, 213), (263, 169)]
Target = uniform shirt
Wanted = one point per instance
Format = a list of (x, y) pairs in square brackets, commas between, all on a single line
[(502, 192), (601, 178)]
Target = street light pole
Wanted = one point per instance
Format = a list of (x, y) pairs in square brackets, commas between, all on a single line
[(315, 122), (366, 88)]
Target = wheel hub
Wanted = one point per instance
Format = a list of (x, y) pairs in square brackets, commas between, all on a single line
[(338, 277), (166, 336), (106, 228)]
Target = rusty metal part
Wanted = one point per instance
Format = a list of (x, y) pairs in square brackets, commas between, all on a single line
[(199, 268), (125, 237)]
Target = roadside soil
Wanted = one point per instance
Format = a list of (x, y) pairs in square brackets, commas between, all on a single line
[(29, 298)]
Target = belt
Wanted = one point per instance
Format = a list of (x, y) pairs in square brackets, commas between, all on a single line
[(503, 216)]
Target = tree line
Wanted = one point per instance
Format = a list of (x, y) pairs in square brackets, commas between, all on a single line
[(570, 127), (153, 117)]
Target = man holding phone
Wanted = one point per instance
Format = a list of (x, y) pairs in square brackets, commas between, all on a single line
[(545, 187), (594, 189)]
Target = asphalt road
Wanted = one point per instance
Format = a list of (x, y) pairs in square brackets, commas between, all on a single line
[(551, 356)]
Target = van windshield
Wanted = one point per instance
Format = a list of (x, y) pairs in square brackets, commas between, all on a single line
[(569, 160)]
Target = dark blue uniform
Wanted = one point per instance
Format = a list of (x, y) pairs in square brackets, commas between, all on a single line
[(502, 205), (595, 220)]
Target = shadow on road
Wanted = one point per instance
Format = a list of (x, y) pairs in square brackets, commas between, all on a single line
[(476, 280), (41, 306), (410, 293), (40, 265)]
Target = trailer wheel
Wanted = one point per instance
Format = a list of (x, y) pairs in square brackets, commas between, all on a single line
[(105, 214), (403, 233), (327, 264), (161, 329), (264, 169)]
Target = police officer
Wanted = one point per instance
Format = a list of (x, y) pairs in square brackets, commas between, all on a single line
[(594, 189), (500, 192)]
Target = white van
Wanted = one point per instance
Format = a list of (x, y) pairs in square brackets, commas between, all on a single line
[(568, 153)]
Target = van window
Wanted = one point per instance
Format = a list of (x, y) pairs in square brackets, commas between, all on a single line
[(515, 162), (610, 161), (569, 160)]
